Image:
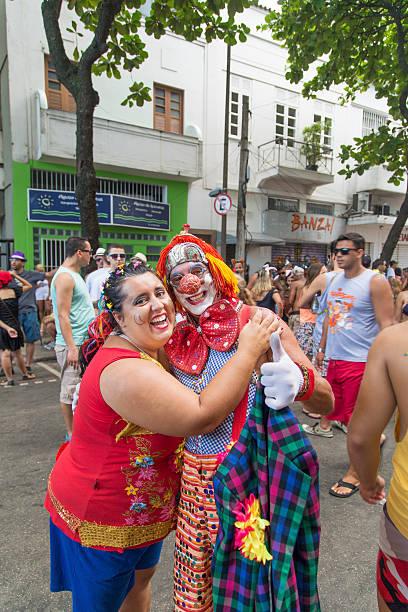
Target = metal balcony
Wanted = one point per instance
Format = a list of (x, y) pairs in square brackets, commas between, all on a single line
[(282, 160)]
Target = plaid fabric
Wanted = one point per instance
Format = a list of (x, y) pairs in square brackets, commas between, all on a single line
[(274, 460)]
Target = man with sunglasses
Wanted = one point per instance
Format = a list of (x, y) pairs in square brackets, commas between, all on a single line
[(359, 304), (73, 310), (115, 255)]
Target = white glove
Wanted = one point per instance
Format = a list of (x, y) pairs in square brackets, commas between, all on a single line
[(281, 378)]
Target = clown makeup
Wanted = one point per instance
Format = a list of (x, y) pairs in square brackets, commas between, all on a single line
[(201, 300), (147, 312), (139, 318)]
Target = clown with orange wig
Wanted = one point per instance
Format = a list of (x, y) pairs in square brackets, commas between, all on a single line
[(210, 317)]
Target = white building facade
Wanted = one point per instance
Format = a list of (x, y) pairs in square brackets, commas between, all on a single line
[(168, 155)]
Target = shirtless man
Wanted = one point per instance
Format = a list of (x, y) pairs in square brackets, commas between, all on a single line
[(382, 389), (294, 298), (400, 303)]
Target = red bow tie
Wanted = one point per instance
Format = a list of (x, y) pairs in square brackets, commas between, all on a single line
[(218, 328)]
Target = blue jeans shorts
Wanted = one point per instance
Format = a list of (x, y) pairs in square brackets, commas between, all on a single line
[(98, 579), (29, 323)]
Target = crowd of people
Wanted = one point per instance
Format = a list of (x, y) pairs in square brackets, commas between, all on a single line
[(171, 378)]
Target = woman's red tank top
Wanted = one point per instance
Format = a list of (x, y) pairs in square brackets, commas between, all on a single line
[(108, 492)]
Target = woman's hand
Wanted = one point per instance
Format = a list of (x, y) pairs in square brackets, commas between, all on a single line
[(12, 332), (255, 335)]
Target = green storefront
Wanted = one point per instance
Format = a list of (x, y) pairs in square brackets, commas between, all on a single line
[(140, 213)]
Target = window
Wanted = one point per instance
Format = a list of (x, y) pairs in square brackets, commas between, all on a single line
[(53, 252), (285, 205), (168, 109), (58, 96), (285, 125), (66, 181), (372, 121), (234, 113), (240, 86), (320, 209), (326, 133)]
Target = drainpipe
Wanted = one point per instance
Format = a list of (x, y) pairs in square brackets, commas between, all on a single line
[(40, 102)]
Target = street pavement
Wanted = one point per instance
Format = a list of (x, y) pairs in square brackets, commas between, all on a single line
[(32, 433)]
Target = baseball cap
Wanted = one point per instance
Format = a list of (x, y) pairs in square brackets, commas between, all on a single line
[(99, 252), (18, 255), (298, 270), (140, 256)]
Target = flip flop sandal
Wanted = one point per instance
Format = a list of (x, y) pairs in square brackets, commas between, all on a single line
[(347, 485), (7, 383)]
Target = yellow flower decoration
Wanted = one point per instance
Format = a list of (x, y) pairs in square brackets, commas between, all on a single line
[(250, 531), (131, 490)]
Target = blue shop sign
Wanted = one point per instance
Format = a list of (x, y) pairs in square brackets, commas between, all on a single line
[(61, 206), (140, 213)]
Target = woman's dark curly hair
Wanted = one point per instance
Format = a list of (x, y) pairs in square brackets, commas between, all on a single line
[(111, 301)]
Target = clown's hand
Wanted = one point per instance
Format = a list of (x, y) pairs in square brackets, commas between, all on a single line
[(281, 378)]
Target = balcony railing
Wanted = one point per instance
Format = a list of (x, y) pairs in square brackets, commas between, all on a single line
[(287, 152)]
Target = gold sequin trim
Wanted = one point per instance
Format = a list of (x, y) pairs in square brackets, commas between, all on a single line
[(93, 534), (123, 536), (70, 519)]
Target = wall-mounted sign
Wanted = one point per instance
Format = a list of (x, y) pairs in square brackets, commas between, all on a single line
[(302, 227), (312, 222), (222, 204), (140, 213), (61, 206)]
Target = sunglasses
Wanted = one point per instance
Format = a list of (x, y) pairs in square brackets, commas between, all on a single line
[(90, 251), (117, 255), (98, 259), (198, 270), (344, 250)]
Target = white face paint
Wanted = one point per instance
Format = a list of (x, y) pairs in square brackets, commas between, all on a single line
[(200, 301)]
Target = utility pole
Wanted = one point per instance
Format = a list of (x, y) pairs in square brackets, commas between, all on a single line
[(225, 162), (242, 182)]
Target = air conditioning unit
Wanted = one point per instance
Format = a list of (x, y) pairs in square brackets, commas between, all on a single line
[(361, 202)]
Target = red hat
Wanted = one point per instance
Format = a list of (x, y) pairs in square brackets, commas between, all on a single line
[(5, 278)]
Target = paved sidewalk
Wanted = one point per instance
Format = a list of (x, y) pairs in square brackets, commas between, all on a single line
[(32, 431)]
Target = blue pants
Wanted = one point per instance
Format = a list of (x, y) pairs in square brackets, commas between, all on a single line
[(98, 579)]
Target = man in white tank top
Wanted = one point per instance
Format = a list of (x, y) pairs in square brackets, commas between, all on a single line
[(359, 304)]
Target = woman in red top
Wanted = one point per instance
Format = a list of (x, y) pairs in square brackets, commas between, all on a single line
[(112, 493)]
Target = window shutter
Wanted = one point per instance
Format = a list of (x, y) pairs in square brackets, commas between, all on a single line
[(168, 109), (58, 96)]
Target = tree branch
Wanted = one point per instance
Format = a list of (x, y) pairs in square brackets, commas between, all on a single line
[(107, 13), (402, 60), (66, 71)]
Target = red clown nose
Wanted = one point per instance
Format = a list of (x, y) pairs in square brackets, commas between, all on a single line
[(189, 284)]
